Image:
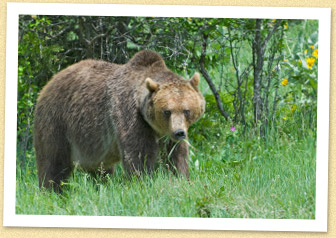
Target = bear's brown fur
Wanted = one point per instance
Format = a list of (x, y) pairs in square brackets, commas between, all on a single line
[(96, 113)]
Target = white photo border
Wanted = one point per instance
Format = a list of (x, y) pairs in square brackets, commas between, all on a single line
[(319, 224)]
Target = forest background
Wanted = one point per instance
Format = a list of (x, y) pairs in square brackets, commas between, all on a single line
[(254, 151)]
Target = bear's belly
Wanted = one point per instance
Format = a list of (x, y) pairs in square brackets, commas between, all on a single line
[(106, 157)]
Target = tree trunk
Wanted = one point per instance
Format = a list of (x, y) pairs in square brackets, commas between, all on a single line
[(258, 62), (258, 48)]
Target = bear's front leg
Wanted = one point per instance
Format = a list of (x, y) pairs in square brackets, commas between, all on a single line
[(179, 157), (139, 149)]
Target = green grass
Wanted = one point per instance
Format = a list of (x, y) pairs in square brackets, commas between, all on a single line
[(231, 176)]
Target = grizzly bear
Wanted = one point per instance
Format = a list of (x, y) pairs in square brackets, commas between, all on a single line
[(96, 113)]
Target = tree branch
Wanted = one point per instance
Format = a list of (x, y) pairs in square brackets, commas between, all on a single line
[(205, 74), (268, 37)]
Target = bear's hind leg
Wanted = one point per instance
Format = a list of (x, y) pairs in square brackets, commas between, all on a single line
[(53, 157)]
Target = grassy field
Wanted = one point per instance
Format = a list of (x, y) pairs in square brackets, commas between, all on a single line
[(231, 176)]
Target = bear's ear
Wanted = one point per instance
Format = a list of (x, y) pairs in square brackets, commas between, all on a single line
[(194, 81), (151, 85)]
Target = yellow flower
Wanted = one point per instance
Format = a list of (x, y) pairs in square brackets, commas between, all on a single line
[(311, 47), (315, 53), (189, 19), (274, 20), (310, 62), (299, 61), (284, 82), (286, 25), (305, 51), (285, 118), (285, 60)]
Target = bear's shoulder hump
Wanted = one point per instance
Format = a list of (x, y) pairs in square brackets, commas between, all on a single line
[(146, 58)]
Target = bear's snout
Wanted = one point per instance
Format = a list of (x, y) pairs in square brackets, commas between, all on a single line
[(179, 134)]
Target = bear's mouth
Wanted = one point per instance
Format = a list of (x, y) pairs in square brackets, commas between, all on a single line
[(178, 135)]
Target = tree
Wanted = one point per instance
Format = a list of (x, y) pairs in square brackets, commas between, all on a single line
[(259, 46)]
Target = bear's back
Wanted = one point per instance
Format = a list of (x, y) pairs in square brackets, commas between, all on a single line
[(82, 74), (76, 97)]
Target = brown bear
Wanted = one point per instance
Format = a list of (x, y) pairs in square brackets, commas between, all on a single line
[(96, 113)]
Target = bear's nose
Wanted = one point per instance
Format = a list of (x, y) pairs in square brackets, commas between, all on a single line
[(180, 134)]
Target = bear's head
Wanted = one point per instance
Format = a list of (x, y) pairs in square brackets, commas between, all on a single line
[(173, 105)]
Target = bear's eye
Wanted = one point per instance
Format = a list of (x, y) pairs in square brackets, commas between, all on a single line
[(186, 113), (167, 113)]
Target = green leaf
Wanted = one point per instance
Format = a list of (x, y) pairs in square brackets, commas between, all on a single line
[(313, 83)]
